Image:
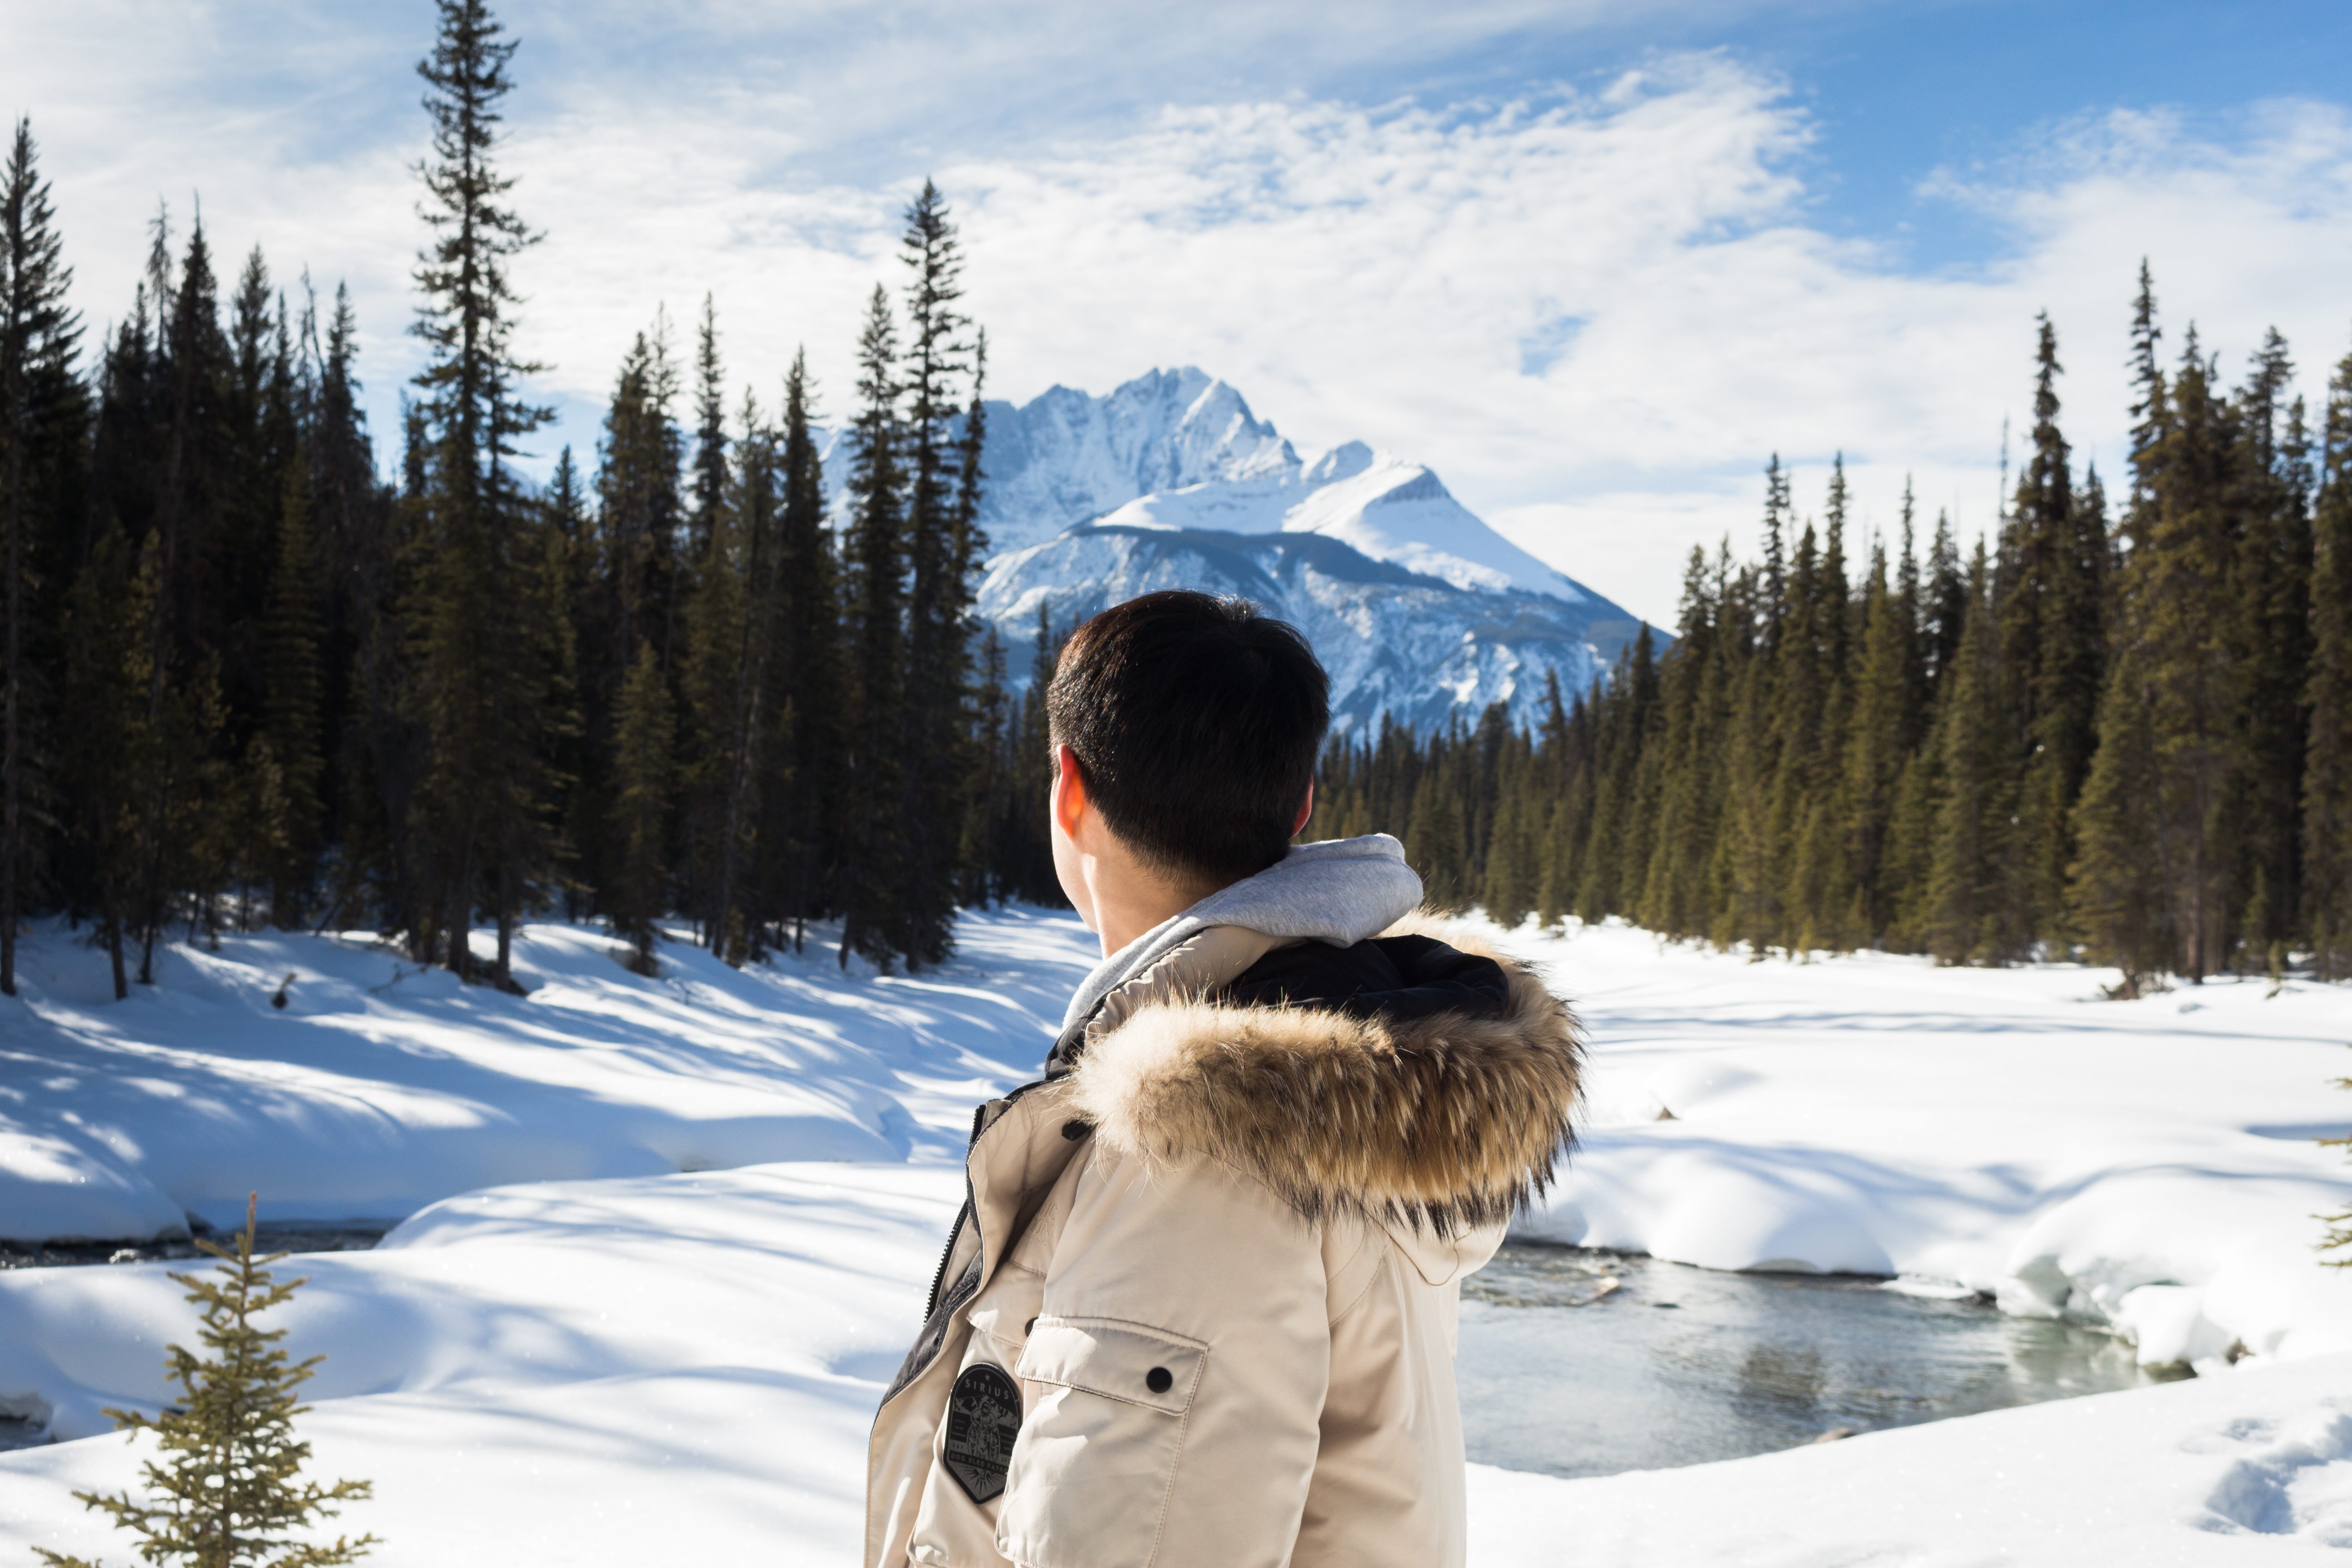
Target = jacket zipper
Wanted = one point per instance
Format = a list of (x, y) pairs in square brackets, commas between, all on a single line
[(955, 1231)]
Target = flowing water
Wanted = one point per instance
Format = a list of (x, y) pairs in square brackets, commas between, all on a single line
[(1585, 1364)]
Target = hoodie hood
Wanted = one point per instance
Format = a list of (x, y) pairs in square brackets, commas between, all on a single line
[(1341, 891)]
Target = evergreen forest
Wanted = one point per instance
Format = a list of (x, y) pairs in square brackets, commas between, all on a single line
[(249, 679), (253, 674), (2123, 731)]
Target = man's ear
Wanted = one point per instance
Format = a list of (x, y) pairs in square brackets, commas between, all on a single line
[(1069, 790), (1305, 810)]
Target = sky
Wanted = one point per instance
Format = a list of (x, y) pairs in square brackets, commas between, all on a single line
[(1594, 263)]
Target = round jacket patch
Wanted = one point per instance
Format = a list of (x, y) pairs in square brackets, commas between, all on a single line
[(983, 1417)]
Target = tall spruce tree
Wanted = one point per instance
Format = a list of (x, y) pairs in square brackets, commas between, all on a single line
[(736, 705), (2270, 607), (811, 811), (645, 734), (2327, 765), (42, 414), (941, 508), (874, 599), (1972, 905), (2052, 595), (479, 688), (710, 472), (179, 839), (715, 660), (1877, 744), (291, 718), (2195, 690)]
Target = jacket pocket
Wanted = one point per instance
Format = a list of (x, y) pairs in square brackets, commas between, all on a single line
[(1097, 1453), (955, 1526)]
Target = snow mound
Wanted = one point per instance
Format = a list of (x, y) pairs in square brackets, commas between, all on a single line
[(379, 1088), (2188, 1473), (2004, 1130)]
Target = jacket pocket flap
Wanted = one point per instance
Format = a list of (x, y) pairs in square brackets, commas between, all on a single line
[(1127, 1362)]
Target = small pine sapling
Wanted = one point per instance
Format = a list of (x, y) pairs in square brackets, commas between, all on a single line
[(229, 1490)]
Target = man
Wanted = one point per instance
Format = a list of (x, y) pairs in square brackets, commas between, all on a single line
[(1199, 1308)]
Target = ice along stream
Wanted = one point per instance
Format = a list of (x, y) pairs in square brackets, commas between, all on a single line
[(1586, 1363)]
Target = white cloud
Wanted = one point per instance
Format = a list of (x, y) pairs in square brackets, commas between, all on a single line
[(1594, 312)]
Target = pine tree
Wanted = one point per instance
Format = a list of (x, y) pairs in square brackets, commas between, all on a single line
[(2195, 690), (1510, 889), (2051, 648), (230, 1492), (710, 431), (103, 755), (479, 687), (983, 854), (1435, 839), (41, 418), (646, 741), (642, 507), (1945, 611), (290, 724), (753, 520), (715, 672), (801, 856), (1972, 907), (941, 508), (1675, 885), (2270, 607), (2327, 765), (1876, 748), (375, 749), (179, 840), (874, 622), (2119, 885), (1821, 883)]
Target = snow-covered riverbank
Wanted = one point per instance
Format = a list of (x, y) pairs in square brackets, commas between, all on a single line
[(665, 1362), (2148, 1163)]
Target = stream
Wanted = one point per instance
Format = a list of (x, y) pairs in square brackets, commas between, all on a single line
[(1565, 1372), (1576, 1362)]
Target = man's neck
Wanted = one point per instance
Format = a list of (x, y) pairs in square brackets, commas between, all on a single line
[(1128, 904)]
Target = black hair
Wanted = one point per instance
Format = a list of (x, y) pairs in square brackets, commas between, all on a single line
[(1196, 721)]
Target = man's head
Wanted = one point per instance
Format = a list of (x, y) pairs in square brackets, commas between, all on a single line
[(1195, 723)]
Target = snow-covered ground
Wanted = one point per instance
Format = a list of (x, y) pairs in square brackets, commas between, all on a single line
[(667, 1361), (378, 1088), (2147, 1164)]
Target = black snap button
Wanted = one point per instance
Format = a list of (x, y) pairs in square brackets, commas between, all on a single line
[(1158, 1380), (1074, 1131)]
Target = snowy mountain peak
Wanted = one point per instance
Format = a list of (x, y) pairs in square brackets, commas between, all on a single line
[(1344, 461), (1065, 458), (1420, 610)]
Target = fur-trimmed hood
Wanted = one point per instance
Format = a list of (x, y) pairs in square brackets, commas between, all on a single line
[(1447, 1120)]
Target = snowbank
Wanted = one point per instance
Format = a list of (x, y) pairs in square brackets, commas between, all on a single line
[(2149, 1164), (632, 1355), (2255, 1467), (379, 1088), (685, 1366), (592, 1372)]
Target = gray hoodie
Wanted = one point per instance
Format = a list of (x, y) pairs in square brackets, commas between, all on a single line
[(1340, 891)]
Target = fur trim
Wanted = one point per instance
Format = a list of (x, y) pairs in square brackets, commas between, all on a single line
[(1451, 1121)]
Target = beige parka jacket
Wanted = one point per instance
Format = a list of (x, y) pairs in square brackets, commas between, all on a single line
[(1199, 1310)]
